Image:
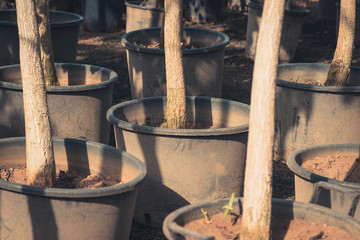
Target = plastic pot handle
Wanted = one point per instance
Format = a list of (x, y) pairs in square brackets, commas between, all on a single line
[(339, 198)]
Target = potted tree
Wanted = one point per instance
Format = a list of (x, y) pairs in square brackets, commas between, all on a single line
[(257, 208), (314, 168), (102, 16), (143, 14), (294, 18), (90, 87), (64, 27), (182, 165), (310, 111), (34, 210)]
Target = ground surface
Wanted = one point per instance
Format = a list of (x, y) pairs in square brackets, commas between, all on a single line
[(317, 43)]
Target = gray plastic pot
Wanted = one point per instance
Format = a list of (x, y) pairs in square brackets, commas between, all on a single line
[(338, 195), (29, 212), (293, 21), (102, 15), (139, 17), (284, 209), (77, 107), (184, 165), (203, 67), (309, 115), (64, 35)]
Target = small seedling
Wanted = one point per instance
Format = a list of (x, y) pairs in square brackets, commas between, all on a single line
[(228, 207), (206, 215)]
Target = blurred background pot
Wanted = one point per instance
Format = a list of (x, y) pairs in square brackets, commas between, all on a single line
[(102, 15), (139, 17), (293, 21), (64, 35)]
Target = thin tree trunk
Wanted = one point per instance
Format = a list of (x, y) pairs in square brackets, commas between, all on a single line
[(47, 56), (176, 96), (340, 66), (40, 165), (258, 175)]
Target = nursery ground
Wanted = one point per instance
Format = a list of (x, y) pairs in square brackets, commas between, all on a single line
[(317, 43)]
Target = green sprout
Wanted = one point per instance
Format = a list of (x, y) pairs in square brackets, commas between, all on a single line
[(206, 215), (109, 48), (228, 207)]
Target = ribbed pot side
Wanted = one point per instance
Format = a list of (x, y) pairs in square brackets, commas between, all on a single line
[(203, 65), (308, 114), (105, 213), (77, 107), (184, 165)]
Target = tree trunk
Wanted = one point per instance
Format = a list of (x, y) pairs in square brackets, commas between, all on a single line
[(257, 189), (175, 84), (40, 165), (340, 65), (47, 56)]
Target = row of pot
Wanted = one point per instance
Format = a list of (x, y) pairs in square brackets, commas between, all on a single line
[(170, 183), (186, 177), (309, 117)]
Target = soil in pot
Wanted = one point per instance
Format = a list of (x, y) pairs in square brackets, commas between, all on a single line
[(339, 167), (161, 122), (228, 228), (64, 179), (184, 45)]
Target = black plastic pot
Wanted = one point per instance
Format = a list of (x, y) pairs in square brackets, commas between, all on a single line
[(184, 165), (203, 66), (77, 107), (293, 21), (283, 209), (140, 17), (308, 115), (338, 195), (28, 212), (64, 35), (102, 15)]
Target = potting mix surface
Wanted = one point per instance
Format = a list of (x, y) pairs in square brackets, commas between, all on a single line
[(339, 167), (228, 228), (64, 179)]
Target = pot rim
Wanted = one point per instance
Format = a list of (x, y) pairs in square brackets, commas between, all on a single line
[(170, 221), (132, 4), (113, 78), (315, 88), (78, 193), (299, 171), (300, 11), (175, 132), (130, 46), (77, 19)]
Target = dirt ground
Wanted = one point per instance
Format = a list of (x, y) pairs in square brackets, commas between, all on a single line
[(316, 44)]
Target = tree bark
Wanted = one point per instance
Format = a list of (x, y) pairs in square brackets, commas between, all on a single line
[(40, 165), (340, 65), (258, 175), (175, 84), (47, 56)]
